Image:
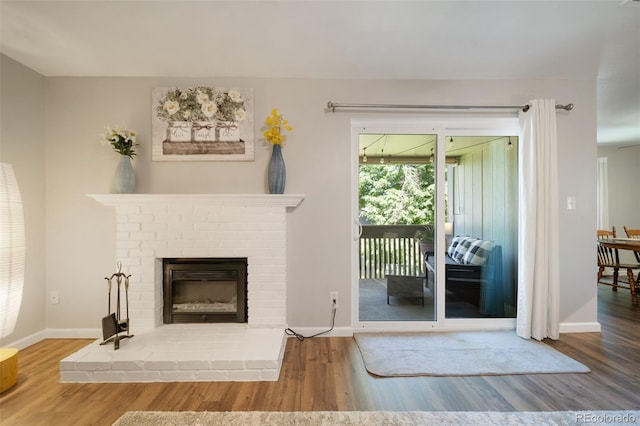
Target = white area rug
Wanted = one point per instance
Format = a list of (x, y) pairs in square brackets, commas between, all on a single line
[(376, 418), (460, 354)]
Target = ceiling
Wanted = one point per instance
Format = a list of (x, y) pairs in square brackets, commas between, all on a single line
[(401, 39)]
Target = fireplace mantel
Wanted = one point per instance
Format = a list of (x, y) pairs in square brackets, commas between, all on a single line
[(284, 200)]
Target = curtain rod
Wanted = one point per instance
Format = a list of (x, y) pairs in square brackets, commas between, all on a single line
[(333, 106)]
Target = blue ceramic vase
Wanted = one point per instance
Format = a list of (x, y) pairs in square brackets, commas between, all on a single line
[(125, 179), (277, 173)]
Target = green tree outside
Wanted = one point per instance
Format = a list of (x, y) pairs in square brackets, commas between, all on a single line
[(397, 194)]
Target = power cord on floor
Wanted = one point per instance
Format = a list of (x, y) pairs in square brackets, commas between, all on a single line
[(300, 337)]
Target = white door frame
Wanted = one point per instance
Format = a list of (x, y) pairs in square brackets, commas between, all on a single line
[(453, 126)]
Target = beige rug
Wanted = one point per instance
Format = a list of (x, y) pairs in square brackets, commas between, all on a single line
[(460, 354), (376, 418)]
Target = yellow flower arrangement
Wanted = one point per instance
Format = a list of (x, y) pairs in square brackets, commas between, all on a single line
[(274, 124)]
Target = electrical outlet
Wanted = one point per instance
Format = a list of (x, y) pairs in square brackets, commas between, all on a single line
[(54, 297), (333, 296)]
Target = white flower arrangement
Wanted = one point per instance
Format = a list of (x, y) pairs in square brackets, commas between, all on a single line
[(121, 140), (201, 104)]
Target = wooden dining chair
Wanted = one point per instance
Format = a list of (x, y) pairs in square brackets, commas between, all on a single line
[(608, 257), (605, 233), (635, 234)]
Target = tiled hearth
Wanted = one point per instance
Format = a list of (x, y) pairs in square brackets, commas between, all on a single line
[(150, 227)]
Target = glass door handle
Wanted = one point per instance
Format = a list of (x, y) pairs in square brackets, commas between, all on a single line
[(359, 225)]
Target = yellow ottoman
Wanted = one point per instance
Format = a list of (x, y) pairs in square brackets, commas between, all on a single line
[(8, 368)]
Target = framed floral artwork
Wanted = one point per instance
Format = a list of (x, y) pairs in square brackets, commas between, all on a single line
[(202, 123)]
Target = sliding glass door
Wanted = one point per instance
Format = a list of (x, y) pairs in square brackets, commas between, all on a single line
[(435, 226), (396, 193), (481, 228)]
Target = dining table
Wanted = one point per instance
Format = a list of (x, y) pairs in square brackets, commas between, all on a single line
[(632, 244)]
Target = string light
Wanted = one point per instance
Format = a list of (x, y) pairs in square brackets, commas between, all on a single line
[(382, 156), (364, 154), (451, 142), (509, 145)]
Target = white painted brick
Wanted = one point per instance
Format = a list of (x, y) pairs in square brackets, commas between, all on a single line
[(164, 365), (230, 244), (121, 236), (143, 376), (269, 244), (146, 253), (169, 236), (267, 304), (127, 244), (157, 244), (267, 269), (194, 252), (180, 244), (227, 364), (127, 210), (209, 227), (197, 235), (182, 209), (227, 252), (268, 295), (262, 364), (141, 218), (154, 209), (245, 375), (75, 377), (170, 219), (122, 253), (270, 375), (202, 364), (128, 365), (153, 227), (211, 376), (143, 236), (128, 227), (179, 228), (109, 376), (68, 365), (177, 376), (128, 263)]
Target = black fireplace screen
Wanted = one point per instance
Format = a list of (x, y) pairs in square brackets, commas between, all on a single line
[(205, 290)]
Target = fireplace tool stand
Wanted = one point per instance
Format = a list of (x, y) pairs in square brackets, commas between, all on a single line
[(113, 324)]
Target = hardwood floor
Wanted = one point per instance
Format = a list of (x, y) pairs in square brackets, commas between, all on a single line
[(328, 374)]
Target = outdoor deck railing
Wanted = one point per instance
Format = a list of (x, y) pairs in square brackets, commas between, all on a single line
[(390, 250)]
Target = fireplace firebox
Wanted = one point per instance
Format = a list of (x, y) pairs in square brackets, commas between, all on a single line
[(200, 290)]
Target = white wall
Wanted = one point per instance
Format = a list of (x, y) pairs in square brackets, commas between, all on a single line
[(623, 176), (80, 233), (22, 142)]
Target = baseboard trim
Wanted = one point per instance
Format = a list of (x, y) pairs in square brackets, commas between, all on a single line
[(580, 327), (54, 333), (25, 342), (73, 333), (336, 332)]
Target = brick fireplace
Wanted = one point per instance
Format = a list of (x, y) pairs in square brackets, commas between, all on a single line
[(151, 227), (154, 227)]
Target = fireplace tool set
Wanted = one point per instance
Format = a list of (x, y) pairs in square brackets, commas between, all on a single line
[(113, 324)]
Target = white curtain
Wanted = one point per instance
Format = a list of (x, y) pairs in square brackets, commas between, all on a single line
[(538, 252), (603, 194)]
